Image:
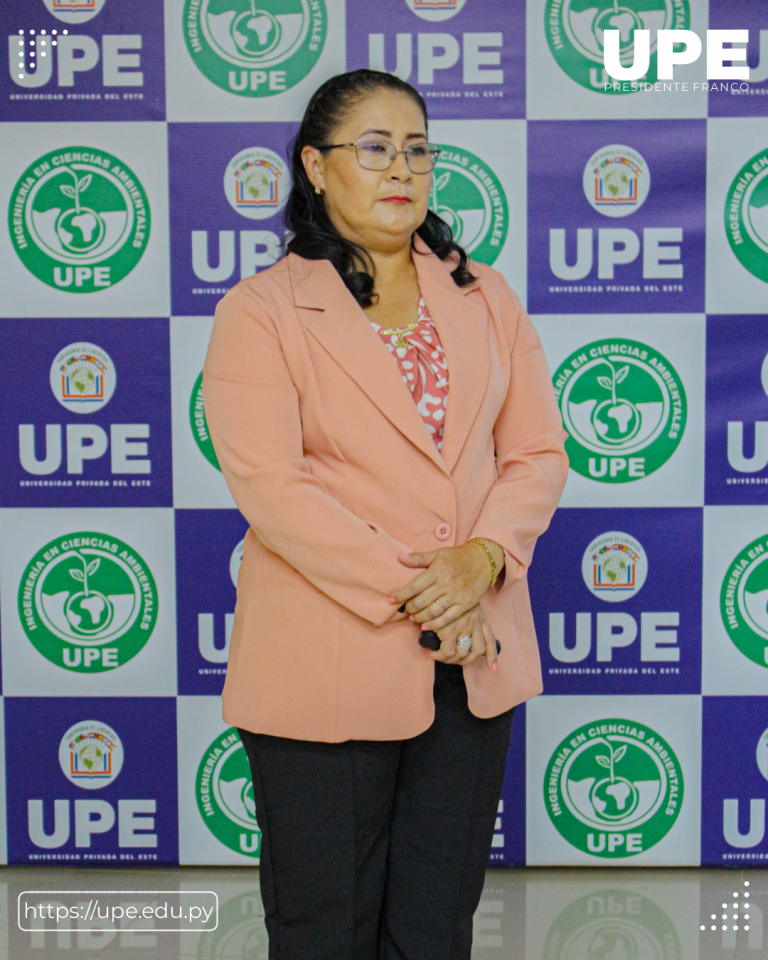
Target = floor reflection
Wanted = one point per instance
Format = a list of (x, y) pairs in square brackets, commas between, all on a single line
[(533, 914)]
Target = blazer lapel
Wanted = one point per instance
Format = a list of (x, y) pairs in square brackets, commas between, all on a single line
[(462, 325), (344, 331)]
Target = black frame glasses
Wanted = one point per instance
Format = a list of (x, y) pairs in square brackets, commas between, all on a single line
[(433, 152)]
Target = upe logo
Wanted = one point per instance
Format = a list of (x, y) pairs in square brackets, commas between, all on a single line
[(575, 33), (616, 181), (91, 754), (255, 48), (614, 567), (744, 601), (746, 215), (612, 924), (79, 219), (613, 788), (624, 407), (74, 11), (224, 792), (83, 378), (88, 602), (435, 10), (257, 183), (469, 196), (234, 563), (199, 424)]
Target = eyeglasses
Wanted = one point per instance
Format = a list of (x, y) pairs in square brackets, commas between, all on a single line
[(374, 153)]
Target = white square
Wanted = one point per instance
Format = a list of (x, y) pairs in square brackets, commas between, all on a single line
[(680, 338), (731, 287), (632, 916), (551, 94), (151, 669), (191, 96), (551, 721), (200, 730), (197, 483), (725, 670), (144, 291), (501, 147)]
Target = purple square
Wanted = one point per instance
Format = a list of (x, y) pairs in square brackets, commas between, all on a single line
[(616, 597), (94, 60), (117, 751), (737, 411), (228, 186), (616, 216), (465, 57), (87, 418), (208, 555), (737, 98), (734, 782)]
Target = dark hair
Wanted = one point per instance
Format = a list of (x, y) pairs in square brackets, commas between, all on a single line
[(314, 237)]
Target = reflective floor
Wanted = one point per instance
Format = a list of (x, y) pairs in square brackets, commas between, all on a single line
[(532, 914)]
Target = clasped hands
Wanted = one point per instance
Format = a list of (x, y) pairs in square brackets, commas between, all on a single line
[(457, 577)]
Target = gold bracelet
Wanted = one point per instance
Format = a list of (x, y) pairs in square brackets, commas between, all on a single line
[(494, 571)]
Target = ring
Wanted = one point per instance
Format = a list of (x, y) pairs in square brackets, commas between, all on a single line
[(465, 642), (441, 606)]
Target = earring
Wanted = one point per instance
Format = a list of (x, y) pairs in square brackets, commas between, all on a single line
[(318, 190)]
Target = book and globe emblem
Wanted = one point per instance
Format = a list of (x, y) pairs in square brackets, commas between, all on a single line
[(255, 48), (88, 602), (224, 793), (79, 219), (614, 566), (257, 182), (435, 10), (74, 11), (83, 377), (617, 180), (624, 408), (462, 196), (746, 216), (744, 601), (91, 754), (613, 788), (597, 926), (575, 31)]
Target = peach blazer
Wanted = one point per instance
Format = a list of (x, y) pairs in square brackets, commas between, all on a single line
[(329, 461)]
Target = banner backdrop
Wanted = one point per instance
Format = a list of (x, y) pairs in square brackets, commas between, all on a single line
[(143, 150)]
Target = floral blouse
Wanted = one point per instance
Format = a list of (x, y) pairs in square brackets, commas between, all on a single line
[(424, 370)]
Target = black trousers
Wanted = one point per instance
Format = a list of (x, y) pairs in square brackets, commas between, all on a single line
[(377, 849)]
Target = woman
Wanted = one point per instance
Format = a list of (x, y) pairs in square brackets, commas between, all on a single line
[(378, 509)]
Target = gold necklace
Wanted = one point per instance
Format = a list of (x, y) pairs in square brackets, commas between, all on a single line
[(399, 331)]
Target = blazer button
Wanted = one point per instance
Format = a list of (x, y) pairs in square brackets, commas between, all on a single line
[(443, 531)]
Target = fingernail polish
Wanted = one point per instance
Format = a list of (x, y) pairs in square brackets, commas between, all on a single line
[(494, 667)]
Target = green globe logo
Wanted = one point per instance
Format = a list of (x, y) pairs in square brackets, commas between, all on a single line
[(224, 792), (744, 601), (79, 219), (612, 924), (746, 216), (199, 424), (575, 31), (88, 602), (624, 408), (255, 48), (613, 788), (469, 196)]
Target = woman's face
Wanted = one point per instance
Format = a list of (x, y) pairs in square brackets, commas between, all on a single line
[(379, 209)]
